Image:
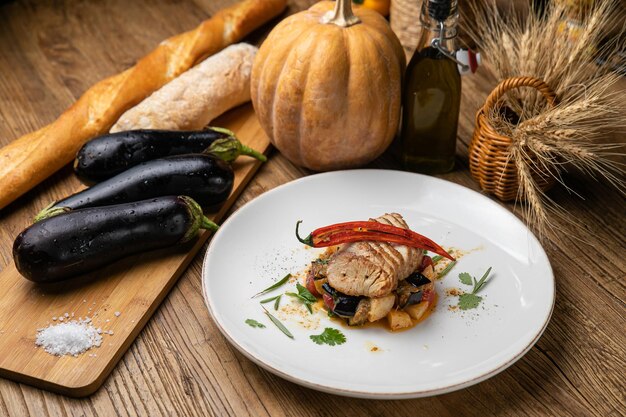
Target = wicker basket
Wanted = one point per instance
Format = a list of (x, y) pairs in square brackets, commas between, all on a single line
[(404, 18), (489, 152)]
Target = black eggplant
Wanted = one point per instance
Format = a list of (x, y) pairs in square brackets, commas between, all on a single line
[(414, 298), (80, 241), (330, 290), (417, 279), (108, 155), (345, 305), (204, 178)]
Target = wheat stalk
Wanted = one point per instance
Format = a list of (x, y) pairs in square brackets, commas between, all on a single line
[(550, 141)]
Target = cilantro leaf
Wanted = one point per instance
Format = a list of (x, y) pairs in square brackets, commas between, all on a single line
[(465, 278), (468, 301), (330, 337), (254, 323)]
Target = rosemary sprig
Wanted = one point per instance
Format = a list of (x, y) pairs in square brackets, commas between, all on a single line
[(274, 286), (275, 299), (278, 324), (269, 300), (446, 270)]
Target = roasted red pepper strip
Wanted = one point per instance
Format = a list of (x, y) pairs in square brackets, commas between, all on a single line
[(369, 230)]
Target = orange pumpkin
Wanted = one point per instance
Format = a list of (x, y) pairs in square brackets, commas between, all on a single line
[(326, 86), (381, 6)]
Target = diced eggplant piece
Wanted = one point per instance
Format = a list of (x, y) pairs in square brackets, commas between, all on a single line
[(417, 279), (414, 298), (330, 290), (345, 305)]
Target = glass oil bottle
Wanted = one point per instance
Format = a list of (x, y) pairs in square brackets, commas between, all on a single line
[(432, 93)]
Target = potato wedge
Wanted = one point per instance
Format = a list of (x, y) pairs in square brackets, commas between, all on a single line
[(399, 320), (417, 311)]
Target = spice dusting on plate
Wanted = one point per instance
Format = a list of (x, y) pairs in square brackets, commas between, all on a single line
[(69, 338), (453, 292), (371, 347)]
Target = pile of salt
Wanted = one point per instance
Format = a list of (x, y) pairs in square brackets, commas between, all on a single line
[(69, 338)]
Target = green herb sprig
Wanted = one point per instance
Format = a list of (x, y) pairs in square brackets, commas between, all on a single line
[(303, 295), (274, 286), (469, 301), (278, 324), (254, 323), (276, 301), (446, 270), (329, 337)]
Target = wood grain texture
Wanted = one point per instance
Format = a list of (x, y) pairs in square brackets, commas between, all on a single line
[(118, 288), (181, 365)]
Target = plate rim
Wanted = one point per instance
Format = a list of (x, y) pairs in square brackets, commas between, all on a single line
[(373, 394)]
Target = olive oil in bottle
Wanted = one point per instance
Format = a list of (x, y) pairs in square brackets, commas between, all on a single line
[(432, 93)]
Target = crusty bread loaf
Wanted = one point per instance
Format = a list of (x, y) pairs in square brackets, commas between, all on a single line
[(191, 100), (30, 159)]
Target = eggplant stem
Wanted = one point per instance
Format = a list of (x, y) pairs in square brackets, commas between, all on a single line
[(50, 211), (208, 224), (230, 148), (307, 240), (246, 150), (198, 219)]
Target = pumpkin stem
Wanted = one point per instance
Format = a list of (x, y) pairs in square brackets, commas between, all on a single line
[(342, 15)]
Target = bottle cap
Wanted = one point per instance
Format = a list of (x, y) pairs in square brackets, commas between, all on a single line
[(440, 10)]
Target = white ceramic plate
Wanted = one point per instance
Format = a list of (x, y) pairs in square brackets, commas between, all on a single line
[(450, 350)]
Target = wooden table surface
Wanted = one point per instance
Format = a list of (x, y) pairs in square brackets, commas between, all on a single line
[(51, 51)]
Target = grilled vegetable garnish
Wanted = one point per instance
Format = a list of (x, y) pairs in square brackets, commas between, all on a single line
[(108, 155), (204, 178), (80, 241)]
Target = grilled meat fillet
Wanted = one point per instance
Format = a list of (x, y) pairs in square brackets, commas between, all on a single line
[(373, 269)]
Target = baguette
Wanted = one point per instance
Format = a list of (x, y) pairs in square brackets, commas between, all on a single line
[(197, 96), (33, 157)]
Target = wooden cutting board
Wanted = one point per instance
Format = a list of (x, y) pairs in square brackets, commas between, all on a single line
[(132, 288)]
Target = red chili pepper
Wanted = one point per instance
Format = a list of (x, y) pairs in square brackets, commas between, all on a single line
[(368, 230)]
